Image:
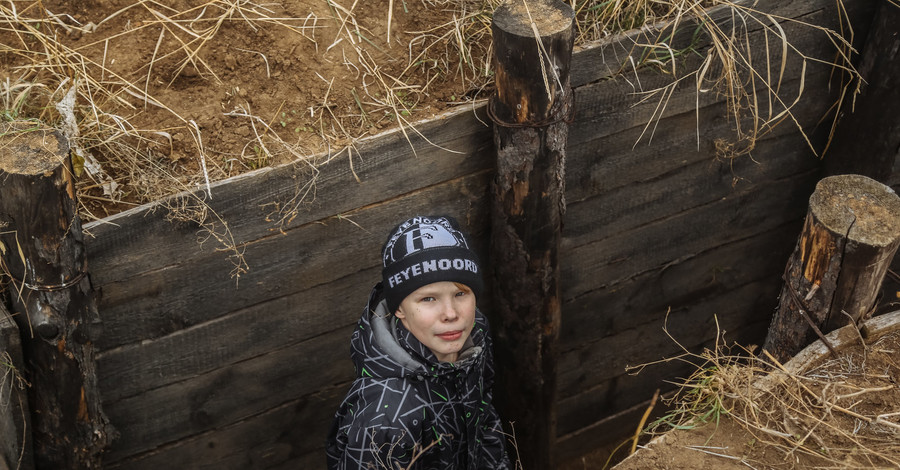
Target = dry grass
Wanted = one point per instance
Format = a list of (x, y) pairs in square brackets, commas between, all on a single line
[(817, 418), (84, 96)]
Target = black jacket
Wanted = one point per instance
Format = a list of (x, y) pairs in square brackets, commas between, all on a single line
[(405, 403)]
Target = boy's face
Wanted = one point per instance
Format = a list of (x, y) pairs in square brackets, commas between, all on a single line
[(441, 316)]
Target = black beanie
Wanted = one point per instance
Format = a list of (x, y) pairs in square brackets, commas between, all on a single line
[(423, 250)]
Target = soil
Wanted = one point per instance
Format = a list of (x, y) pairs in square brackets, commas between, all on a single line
[(858, 386), (265, 83)]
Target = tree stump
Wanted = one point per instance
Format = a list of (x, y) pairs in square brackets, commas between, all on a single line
[(850, 236), (530, 110), (51, 296)]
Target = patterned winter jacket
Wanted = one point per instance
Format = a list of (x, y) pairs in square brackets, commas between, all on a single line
[(408, 410)]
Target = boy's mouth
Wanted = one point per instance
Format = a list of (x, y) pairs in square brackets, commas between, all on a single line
[(450, 335)]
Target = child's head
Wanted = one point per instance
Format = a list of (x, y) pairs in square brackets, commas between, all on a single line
[(423, 250), (431, 280), (441, 316)]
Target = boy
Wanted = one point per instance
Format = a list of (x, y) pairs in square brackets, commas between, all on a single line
[(424, 371)]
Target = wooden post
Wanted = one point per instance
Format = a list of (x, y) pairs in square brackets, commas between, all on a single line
[(867, 137), (530, 110), (51, 296), (15, 416), (850, 236)]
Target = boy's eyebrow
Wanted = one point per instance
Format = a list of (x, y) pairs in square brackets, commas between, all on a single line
[(428, 291)]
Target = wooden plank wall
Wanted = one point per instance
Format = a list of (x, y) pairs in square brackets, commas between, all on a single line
[(202, 370), (664, 227), (198, 367)]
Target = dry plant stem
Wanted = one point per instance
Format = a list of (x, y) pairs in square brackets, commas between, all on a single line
[(813, 394), (791, 415), (643, 421), (389, 17)]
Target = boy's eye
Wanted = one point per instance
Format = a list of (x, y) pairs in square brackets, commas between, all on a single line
[(427, 299), (461, 293)]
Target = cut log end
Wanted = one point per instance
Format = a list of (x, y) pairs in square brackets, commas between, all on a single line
[(863, 209), (27, 148), (549, 17), (852, 232)]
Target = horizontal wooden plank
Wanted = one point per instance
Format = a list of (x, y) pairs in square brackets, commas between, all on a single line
[(610, 56), (599, 361), (288, 436), (599, 164), (685, 283), (683, 188), (572, 450), (624, 390), (652, 246), (606, 146), (165, 301), (254, 331), (229, 394), (143, 239), (632, 97), (589, 407), (620, 393)]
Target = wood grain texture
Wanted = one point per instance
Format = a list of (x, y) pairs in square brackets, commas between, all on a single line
[(238, 336), (16, 449), (165, 301), (652, 246), (875, 112), (527, 208), (614, 55), (593, 364), (615, 426), (685, 187), (608, 432), (626, 187), (229, 395), (42, 247), (684, 284), (281, 437), (607, 149)]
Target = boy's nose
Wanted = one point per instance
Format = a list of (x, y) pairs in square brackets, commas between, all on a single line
[(450, 313)]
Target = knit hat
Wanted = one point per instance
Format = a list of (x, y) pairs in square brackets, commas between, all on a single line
[(423, 250)]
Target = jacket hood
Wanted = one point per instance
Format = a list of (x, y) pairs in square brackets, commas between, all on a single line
[(381, 347), (404, 399)]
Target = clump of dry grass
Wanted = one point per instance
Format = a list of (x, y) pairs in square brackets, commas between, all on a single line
[(818, 417)]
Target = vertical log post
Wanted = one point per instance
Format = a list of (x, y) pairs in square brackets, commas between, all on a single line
[(875, 112), (850, 236), (530, 110), (15, 415), (51, 296)]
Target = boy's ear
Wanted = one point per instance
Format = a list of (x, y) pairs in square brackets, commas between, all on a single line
[(399, 313)]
